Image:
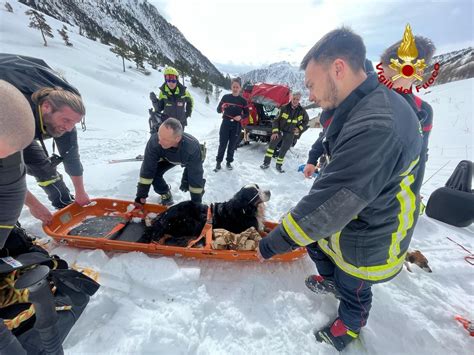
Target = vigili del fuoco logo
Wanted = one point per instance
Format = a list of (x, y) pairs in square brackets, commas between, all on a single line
[(407, 53)]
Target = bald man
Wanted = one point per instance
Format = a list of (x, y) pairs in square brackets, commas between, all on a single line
[(17, 128)]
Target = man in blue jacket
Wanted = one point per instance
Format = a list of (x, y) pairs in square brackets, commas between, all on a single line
[(360, 214)]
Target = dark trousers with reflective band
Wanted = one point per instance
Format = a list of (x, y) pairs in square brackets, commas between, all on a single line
[(229, 134), (159, 184), (12, 193), (39, 166), (286, 141), (356, 294)]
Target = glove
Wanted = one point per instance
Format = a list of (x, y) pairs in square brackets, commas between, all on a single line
[(184, 186), (153, 97), (275, 243), (142, 191), (197, 198)]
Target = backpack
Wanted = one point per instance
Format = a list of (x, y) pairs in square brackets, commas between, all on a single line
[(70, 289), (29, 74)]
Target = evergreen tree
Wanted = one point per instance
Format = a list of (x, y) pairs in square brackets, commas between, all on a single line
[(217, 93), (121, 50), (138, 56), (207, 99), (38, 21), (64, 35), (8, 7)]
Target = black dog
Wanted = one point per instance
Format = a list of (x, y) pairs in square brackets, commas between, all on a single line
[(184, 221)]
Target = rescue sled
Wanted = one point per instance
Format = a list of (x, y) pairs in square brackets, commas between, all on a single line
[(114, 225)]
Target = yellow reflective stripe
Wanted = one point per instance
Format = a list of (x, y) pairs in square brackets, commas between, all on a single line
[(275, 130), (6, 227), (145, 181), (280, 160), (270, 150), (49, 182), (40, 114), (410, 167), (195, 190), (352, 334), (292, 121), (407, 200), (285, 115), (300, 127), (299, 118), (371, 273), (295, 232)]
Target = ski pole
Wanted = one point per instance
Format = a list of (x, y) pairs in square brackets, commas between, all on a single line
[(436, 172)]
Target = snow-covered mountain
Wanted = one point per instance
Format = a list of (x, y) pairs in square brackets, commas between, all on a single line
[(136, 21), (277, 73), (456, 65)]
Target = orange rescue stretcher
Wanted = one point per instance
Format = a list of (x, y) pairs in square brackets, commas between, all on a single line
[(123, 226)]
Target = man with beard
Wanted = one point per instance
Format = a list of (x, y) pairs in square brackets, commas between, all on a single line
[(57, 107), (358, 218)]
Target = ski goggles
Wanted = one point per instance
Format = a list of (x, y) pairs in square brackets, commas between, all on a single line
[(171, 79)]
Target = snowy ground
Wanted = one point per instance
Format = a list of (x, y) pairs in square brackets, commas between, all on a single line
[(182, 306)]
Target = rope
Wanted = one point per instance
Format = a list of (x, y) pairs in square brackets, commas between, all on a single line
[(469, 258)]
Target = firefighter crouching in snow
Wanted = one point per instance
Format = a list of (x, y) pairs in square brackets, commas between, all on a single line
[(174, 100), (358, 219), (166, 149), (292, 121)]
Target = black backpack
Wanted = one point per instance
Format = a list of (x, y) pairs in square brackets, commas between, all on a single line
[(29, 74)]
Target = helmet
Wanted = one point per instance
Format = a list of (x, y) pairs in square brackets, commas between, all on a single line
[(171, 71)]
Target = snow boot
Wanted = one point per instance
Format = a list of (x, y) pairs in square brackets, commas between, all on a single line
[(264, 166), (218, 167), (166, 199), (279, 168), (229, 166), (337, 335), (319, 284)]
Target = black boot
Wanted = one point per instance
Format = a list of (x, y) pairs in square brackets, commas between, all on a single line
[(229, 166), (337, 335), (218, 167), (166, 199), (279, 168)]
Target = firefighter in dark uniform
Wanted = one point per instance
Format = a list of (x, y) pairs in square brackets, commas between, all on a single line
[(233, 108), (360, 214), (15, 134), (174, 100), (292, 121), (56, 110), (166, 149)]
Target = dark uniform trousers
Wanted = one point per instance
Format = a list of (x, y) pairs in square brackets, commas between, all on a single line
[(356, 294), (159, 184), (39, 166), (229, 134), (287, 141)]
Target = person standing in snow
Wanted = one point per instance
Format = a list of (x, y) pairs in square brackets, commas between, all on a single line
[(15, 135), (359, 216), (290, 123), (233, 108), (57, 108), (174, 99), (164, 150)]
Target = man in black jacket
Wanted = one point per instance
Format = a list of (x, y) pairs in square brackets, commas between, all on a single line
[(14, 136), (292, 121), (174, 99), (57, 107), (362, 210), (166, 149)]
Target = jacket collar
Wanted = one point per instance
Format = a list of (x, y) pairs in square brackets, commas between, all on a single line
[(342, 111)]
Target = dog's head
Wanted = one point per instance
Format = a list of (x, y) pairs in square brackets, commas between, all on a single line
[(417, 258), (252, 194)]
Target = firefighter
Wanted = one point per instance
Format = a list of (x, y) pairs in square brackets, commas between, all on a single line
[(233, 108), (290, 123), (166, 149), (174, 99), (57, 108), (14, 136), (359, 216)]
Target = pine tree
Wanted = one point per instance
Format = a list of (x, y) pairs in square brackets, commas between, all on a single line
[(8, 7), (38, 21), (207, 98), (64, 35), (138, 56), (121, 50)]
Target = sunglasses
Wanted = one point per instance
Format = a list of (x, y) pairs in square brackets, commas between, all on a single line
[(171, 80)]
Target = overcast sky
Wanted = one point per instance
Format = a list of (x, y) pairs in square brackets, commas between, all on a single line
[(246, 34)]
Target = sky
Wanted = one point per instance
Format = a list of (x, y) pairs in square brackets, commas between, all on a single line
[(245, 34)]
